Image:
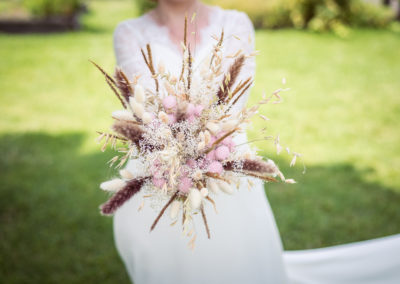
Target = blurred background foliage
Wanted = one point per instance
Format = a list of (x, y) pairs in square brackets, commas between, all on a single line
[(342, 114), (51, 8), (316, 15)]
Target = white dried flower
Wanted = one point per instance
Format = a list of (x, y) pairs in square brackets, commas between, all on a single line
[(213, 127), (213, 186), (123, 115), (147, 117), (137, 107), (201, 146), (140, 96), (225, 187), (207, 137), (113, 185), (163, 117), (124, 173), (197, 175), (195, 198), (175, 207), (229, 125)]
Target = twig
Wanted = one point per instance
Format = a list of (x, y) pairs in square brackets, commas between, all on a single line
[(163, 210), (203, 214)]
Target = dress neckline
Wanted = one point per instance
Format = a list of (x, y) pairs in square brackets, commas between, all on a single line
[(204, 32)]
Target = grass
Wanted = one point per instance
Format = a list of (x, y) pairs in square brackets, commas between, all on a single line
[(341, 114)]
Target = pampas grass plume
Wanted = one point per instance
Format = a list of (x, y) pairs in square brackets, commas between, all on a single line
[(123, 115), (137, 107), (213, 186), (194, 198), (113, 185), (124, 173), (140, 96)]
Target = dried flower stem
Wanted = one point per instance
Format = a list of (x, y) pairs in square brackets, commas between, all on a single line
[(149, 62), (219, 141), (185, 46), (189, 76), (113, 136), (173, 197), (110, 81), (123, 84), (216, 176), (213, 203), (217, 47), (239, 96), (266, 178), (203, 214), (237, 89)]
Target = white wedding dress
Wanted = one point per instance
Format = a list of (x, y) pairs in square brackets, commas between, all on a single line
[(245, 245)]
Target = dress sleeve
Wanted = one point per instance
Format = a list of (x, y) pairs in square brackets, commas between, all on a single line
[(242, 37), (127, 50)]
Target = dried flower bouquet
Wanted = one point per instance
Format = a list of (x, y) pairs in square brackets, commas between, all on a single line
[(183, 133)]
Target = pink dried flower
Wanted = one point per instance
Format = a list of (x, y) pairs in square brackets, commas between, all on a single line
[(169, 102), (215, 167), (185, 184), (222, 152)]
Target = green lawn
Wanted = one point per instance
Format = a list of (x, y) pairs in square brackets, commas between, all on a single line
[(341, 113)]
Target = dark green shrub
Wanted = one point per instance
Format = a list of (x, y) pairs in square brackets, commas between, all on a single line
[(49, 8), (317, 15), (144, 5)]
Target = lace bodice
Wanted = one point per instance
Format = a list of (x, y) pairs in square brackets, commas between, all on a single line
[(133, 34)]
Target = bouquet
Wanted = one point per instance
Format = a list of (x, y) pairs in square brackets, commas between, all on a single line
[(183, 134)]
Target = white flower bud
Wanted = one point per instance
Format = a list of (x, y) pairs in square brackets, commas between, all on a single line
[(201, 146), (175, 207), (123, 115), (163, 117), (213, 186), (195, 198), (113, 185), (213, 127), (140, 96), (207, 137), (124, 173), (137, 107), (225, 187), (147, 117)]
